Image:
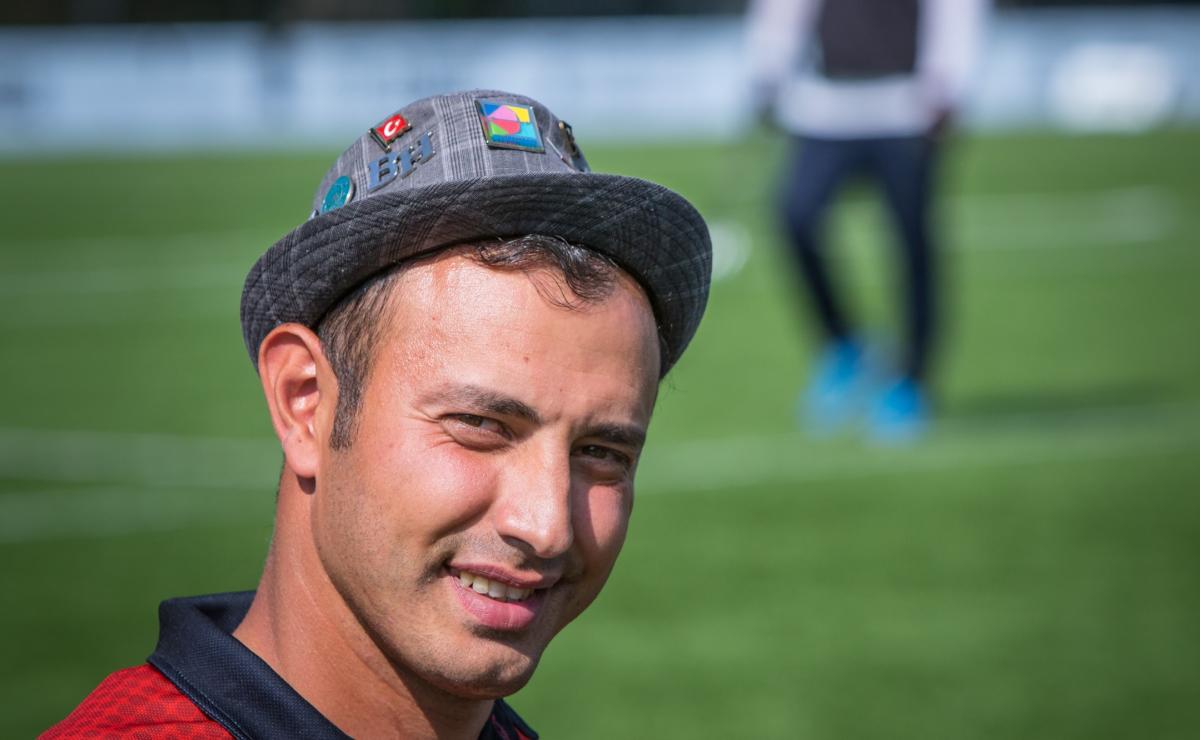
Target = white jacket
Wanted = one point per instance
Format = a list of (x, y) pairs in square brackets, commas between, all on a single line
[(779, 38)]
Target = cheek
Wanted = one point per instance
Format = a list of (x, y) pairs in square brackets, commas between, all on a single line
[(389, 513), (428, 491), (601, 521)]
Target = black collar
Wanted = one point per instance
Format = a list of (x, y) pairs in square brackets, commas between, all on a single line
[(199, 654)]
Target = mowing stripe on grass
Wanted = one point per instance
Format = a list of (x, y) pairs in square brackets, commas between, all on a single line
[(1033, 222), (125, 280), (111, 511), (168, 482)]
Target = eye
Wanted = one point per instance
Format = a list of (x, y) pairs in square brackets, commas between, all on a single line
[(476, 431), (603, 453), (605, 462), (480, 422)]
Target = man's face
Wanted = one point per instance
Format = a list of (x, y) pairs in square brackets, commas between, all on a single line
[(487, 491)]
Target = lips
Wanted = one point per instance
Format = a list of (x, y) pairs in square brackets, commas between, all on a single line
[(497, 599)]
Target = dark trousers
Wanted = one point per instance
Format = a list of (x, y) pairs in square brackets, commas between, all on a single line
[(903, 168)]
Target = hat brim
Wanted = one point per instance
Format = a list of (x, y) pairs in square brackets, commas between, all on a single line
[(650, 231)]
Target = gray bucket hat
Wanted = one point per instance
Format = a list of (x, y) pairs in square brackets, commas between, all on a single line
[(469, 166)]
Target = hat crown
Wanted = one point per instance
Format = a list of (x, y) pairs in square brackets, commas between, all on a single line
[(445, 138)]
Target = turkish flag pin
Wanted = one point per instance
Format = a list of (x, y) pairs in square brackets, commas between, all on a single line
[(388, 131)]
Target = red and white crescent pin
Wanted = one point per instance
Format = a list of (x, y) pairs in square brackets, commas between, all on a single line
[(388, 131)]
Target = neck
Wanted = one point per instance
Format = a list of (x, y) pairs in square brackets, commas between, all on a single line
[(301, 627)]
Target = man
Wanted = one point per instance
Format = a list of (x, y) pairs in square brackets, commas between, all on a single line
[(866, 87), (460, 353)]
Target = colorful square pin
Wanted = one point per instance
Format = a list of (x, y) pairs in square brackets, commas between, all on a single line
[(390, 130), (509, 126)]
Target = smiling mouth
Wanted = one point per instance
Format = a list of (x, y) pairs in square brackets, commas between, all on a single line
[(491, 588)]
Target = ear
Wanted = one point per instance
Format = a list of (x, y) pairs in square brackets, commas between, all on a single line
[(301, 392)]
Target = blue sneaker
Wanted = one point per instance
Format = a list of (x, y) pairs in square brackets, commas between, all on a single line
[(900, 413), (836, 392)]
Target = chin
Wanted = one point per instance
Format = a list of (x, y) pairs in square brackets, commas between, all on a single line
[(478, 667), (494, 681)]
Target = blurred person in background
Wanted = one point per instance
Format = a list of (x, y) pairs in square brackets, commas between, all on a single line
[(864, 87)]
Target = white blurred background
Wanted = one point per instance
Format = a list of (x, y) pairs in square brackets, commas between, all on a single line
[(204, 84)]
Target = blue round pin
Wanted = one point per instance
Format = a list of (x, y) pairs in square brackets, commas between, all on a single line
[(339, 194)]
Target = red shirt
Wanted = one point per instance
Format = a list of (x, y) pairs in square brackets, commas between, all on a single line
[(202, 683), (136, 702)]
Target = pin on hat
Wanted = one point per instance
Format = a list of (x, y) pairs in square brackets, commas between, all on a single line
[(509, 125), (467, 166), (389, 130), (337, 195)]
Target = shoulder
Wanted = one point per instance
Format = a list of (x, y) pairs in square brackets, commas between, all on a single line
[(139, 701)]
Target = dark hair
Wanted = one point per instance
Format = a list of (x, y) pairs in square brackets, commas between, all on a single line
[(565, 274)]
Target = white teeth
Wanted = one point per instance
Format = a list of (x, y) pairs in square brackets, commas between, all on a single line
[(519, 594), (493, 589)]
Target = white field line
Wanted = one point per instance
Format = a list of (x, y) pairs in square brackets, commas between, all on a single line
[(1131, 216), (1124, 216), (143, 482), (725, 465), (1140, 202), (141, 459), (1027, 221)]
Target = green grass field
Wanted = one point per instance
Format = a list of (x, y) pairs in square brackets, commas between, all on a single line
[(1032, 570)]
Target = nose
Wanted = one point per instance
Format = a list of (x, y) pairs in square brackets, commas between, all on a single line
[(534, 507)]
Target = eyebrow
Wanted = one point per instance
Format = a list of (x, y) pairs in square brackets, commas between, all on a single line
[(621, 434), (489, 401)]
